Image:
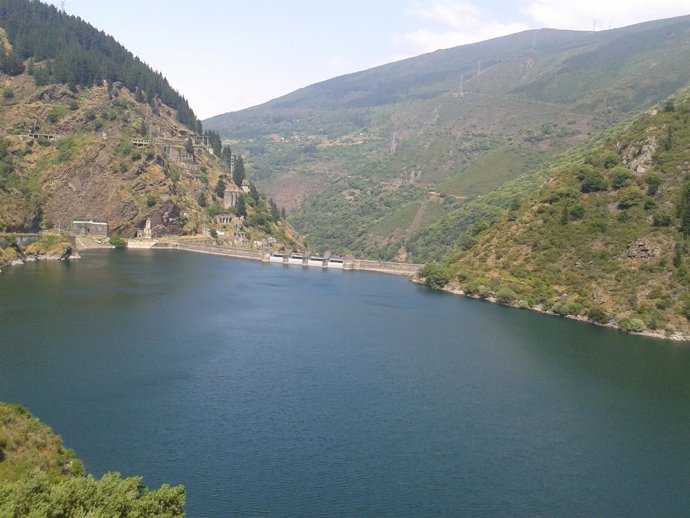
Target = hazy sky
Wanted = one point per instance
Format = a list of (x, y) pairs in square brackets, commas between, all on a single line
[(225, 55)]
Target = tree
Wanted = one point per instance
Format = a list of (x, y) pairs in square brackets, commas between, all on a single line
[(620, 176), (653, 182), (238, 173), (591, 180), (189, 146), (226, 155), (254, 193), (684, 210), (435, 275), (214, 142), (220, 188), (241, 206), (201, 200), (275, 213), (282, 213)]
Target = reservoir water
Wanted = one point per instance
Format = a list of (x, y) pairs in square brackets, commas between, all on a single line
[(286, 391)]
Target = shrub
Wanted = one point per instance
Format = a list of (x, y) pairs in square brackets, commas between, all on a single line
[(566, 308), (632, 325), (150, 200), (598, 314), (117, 242), (631, 197), (620, 177), (506, 296), (610, 159), (661, 219), (592, 181), (484, 292), (435, 275), (653, 182), (577, 212)]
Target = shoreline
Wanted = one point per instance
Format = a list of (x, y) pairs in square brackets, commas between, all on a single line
[(660, 335)]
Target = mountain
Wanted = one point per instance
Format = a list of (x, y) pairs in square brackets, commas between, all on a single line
[(89, 132), (397, 161), (604, 239)]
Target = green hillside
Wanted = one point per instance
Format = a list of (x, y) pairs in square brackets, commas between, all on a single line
[(604, 239), (444, 130)]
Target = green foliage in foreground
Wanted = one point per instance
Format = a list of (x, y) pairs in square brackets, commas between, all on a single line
[(85, 497), (40, 478)]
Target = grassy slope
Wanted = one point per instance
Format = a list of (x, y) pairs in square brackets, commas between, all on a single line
[(573, 250), (405, 127)]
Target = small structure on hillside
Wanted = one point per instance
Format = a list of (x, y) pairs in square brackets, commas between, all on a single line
[(246, 185), (178, 156), (140, 142), (90, 228), (50, 137), (224, 219), (231, 196), (145, 233)]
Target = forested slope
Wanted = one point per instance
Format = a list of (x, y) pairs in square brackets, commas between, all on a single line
[(604, 239)]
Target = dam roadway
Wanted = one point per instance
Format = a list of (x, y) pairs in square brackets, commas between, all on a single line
[(347, 263)]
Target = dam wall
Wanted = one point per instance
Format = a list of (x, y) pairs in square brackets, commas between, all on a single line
[(384, 267)]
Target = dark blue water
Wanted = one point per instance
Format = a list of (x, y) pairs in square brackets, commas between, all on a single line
[(271, 390)]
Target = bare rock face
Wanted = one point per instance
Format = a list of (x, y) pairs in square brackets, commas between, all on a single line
[(166, 220), (640, 249), (638, 158)]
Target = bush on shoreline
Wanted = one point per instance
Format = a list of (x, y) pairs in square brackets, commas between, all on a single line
[(117, 242)]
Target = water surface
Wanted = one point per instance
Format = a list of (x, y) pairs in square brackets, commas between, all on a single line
[(272, 390)]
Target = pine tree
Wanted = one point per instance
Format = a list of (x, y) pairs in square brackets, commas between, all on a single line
[(275, 213), (684, 210), (242, 206), (254, 193), (226, 155), (238, 173)]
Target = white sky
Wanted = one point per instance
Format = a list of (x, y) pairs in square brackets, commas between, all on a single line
[(225, 55)]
